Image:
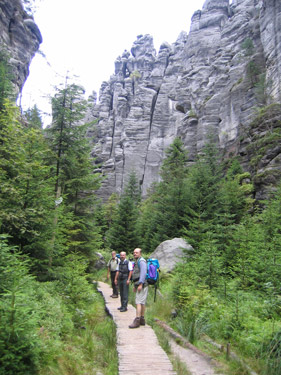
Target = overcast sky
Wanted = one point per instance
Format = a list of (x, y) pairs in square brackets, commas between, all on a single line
[(85, 37)]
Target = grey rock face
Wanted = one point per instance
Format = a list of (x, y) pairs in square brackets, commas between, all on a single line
[(20, 37), (209, 81), (171, 252), (99, 263)]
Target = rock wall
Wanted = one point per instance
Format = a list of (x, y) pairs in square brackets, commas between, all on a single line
[(20, 37), (209, 81)]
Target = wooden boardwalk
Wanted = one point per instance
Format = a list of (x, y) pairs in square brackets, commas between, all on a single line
[(139, 352)]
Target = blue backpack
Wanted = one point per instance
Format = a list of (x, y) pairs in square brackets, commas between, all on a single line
[(153, 269)]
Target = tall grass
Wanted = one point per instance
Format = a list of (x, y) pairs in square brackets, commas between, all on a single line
[(89, 349)]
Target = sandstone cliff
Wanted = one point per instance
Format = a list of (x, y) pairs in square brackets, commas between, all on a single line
[(211, 80), (20, 37)]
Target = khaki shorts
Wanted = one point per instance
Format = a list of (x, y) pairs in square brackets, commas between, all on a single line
[(141, 296)]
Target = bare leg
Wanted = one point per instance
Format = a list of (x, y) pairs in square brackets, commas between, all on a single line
[(139, 310)]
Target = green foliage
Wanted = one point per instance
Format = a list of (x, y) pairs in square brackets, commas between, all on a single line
[(253, 71), (52, 326), (248, 47), (19, 343), (228, 289), (271, 352), (33, 117), (164, 212), (202, 188), (174, 165), (72, 169), (26, 199), (260, 88), (73, 284), (6, 88), (122, 234), (135, 75)]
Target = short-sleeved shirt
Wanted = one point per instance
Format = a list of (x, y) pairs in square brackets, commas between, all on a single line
[(130, 266), (113, 264)]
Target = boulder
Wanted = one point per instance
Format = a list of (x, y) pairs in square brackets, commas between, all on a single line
[(170, 252), (100, 262)]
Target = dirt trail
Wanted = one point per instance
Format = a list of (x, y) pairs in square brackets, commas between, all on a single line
[(196, 364)]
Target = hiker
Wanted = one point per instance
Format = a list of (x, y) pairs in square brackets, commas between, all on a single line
[(123, 277), (111, 270), (140, 288)]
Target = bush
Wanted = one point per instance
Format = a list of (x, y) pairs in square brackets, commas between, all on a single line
[(20, 347)]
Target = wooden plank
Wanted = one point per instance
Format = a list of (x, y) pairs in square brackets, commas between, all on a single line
[(139, 352)]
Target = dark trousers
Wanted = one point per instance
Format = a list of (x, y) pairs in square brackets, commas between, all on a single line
[(124, 291), (114, 287)]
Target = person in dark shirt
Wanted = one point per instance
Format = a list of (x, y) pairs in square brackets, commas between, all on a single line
[(122, 278)]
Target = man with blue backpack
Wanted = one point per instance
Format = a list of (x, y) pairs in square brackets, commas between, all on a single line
[(140, 288)]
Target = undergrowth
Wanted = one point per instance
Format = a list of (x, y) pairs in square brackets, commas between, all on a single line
[(244, 319)]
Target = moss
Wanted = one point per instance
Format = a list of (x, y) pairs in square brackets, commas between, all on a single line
[(248, 47), (135, 75), (243, 176), (207, 99), (264, 132), (265, 113), (240, 80), (192, 114)]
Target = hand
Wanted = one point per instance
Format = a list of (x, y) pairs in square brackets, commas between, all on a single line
[(115, 282), (134, 290), (139, 287), (128, 282)]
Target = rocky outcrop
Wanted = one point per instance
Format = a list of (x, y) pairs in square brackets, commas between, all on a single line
[(210, 81), (19, 37), (169, 253)]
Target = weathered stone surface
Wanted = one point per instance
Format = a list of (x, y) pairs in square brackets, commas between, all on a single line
[(170, 252), (209, 81), (99, 262), (20, 37)]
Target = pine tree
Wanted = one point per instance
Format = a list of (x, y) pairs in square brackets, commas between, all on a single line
[(202, 188), (269, 225), (235, 201), (33, 117), (26, 197), (146, 223), (168, 203), (122, 234), (73, 172), (19, 340), (6, 88)]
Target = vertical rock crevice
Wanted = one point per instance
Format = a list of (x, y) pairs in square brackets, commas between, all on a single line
[(153, 105), (200, 84)]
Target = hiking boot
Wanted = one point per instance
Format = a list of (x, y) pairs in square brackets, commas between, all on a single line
[(135, 324), (114, 296), (142, 321), (123, 309), (119, 308)]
